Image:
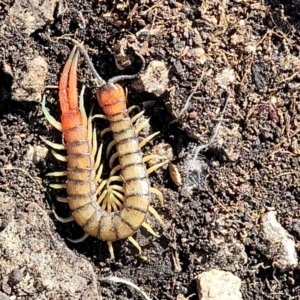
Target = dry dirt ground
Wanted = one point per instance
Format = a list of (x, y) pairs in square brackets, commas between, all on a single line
[(233, 80)]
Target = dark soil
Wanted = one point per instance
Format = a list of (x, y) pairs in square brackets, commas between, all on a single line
[(243, 53)]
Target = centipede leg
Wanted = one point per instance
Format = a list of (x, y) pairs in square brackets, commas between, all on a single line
[(53, 145), (105, 131), (97, 167), (149, 229), (63, 220), (148, 139), (79, 240), (155, 167), (112, 159), (101, 187), (59, 156), (136, 244), (140, 127), (62, 199), (153, 156), (109, 147), (134, 118), (57, 173), (111, 250), (85, 121), (156, 215), (158, 193), (51, 119), (131, 108), (58, 185), (115, 169)]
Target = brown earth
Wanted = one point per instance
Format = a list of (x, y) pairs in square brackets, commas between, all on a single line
[(240, 57)]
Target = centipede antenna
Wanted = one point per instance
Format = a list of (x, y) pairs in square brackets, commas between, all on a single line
[(99, 79), (126, 77)]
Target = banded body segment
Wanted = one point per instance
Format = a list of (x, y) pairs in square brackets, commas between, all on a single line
[(106, 211), (81, 188), (111, 98)]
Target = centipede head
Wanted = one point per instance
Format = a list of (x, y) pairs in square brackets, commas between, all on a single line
[(111, 98)]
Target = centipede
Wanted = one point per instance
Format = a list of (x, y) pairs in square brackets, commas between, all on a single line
[(112, 208)]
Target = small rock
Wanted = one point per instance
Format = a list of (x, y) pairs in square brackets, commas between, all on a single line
[(15, 277), (40, 153), (50, 266), (6, 210), (31, 15), (29, 154), (4, 296), (225, 78), (230, 255), (193, 171), (122, 58), (181, 297), (280, 245), (198, 54), (36, 153), (227, 142), (193, 115), (6, 288), (218, 285), (28, 85), (154, 80), (164, 151)]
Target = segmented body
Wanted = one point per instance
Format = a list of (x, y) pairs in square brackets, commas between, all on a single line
[(111, 98), (87, 194)]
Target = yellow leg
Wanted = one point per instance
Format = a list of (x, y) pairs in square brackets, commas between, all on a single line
[(112, 159), (51, 120), (96, 165), (101, 187), (133, 119), (118, 196), (102, 196), (80, 239), (63, 220), (158, 193), (115, 169), (111, 250), (58, 185), (62, 199), (149, 229), (81, 107), (155, 167), (135, 243), (114, 178), (148, 139), (58, 173), (99, 117), (59, 156), (104, 131), (118, 188), (131, 108), (94, 143), (109, 147), (53, 145), (156, 215), (153, 156), (141, 126)]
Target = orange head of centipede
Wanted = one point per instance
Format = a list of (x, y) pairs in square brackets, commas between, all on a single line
[(111, 98)]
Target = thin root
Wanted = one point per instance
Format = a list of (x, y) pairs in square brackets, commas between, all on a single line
[(125, 281)]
